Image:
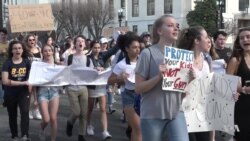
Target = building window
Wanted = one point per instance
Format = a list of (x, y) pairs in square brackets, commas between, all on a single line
[(243, 4), (135, 8), (168, 5), (135, 29), (150, 28), (123, 5), (150, 7)]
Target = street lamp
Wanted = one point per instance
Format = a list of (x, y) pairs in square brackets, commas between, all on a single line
[(221, 4), (120, 16)]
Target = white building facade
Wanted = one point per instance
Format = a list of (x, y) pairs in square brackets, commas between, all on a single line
[(139, 15)]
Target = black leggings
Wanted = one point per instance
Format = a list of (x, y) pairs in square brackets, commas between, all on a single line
[(199, 136), (22, 101)]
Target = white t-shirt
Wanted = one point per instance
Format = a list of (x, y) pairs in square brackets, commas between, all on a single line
[(204, 71), (128, 68)]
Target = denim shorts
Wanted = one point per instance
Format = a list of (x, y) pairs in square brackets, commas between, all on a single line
[(47, 93), (128, 98)]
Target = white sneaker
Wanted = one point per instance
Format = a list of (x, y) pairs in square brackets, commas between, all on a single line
[(90, 130), (25, 138), (15, 139), (106, 135), (31, 115), (36, 114), (42, 135)]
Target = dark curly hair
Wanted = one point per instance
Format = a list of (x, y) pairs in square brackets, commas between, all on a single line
[(25, 54)]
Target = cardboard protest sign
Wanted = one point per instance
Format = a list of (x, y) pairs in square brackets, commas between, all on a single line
[(109, 32), (179, 63), (209, 104), (43, 74), (25, 18)]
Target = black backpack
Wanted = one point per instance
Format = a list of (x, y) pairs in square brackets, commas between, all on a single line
[(70, 60)]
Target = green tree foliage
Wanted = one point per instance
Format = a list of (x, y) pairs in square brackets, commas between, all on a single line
[(205, 14)]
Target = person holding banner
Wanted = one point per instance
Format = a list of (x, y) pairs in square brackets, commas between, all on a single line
[(196, 39), (78, 94), (161, 115), (48, 99), (99, 60), (15, 75), (239, 65)]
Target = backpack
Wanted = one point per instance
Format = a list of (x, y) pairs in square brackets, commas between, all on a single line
[(70, 60)]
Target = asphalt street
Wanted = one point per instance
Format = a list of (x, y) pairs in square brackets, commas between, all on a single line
[(116, 126)]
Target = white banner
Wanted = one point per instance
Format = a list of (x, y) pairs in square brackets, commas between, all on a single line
[(43, 74), (209, 104), (179, 63)]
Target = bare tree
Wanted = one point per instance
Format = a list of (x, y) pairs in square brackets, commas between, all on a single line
[(69, 18), (98, 15), (74, 17)]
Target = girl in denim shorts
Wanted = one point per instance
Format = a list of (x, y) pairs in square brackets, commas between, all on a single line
[(48, 99), (124, 74)]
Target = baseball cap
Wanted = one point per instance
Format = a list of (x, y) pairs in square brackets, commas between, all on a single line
[(145, 34), (104, 40)]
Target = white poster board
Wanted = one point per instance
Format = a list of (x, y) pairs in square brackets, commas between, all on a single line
[(209, 104), (179, 63), (43, 74)]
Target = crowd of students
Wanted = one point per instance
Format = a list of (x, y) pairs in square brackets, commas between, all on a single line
[(152, 114)]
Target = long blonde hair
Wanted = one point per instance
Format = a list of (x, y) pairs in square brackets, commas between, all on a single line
[(157, 24)]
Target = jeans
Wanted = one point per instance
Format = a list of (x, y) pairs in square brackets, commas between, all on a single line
[(1, 93), (47, 93), (79, 105), (128, 98), (110, 98), (164, 129), (13, 101)]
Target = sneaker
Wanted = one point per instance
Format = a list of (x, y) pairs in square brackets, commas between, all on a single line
[(128, 132), (90, 130), (36, 114), (31, 115), (111, 111), (15, 139), (42, 136), (25, 138), (81, 138), (106, 135), (69, 129)]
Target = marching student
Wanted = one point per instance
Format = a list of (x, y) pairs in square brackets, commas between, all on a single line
[(161, 115), (196, 39), (239, 65), (48, 99), (123, 74), (78, 94), (15, 75), (99, 91), (36, 56)]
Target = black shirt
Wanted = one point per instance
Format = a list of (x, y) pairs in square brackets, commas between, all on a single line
[(224, 53), (17, 72)]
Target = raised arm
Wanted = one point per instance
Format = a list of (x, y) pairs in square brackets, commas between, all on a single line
[(107, 54)]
